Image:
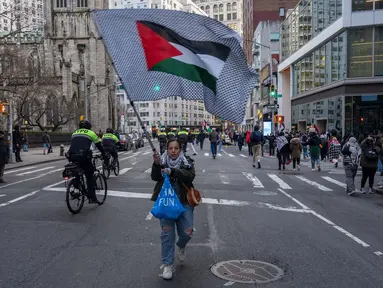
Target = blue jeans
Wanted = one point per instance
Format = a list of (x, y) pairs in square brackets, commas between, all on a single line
[(168, 234), (305, 154), (315, 160), (213, 147)]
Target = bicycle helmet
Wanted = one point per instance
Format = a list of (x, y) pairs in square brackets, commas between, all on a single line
[(85, 124), (109, 130)]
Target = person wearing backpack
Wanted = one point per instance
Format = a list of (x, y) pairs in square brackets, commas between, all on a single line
[(256, 141), (248, 142), (351, 158), (369, 163)]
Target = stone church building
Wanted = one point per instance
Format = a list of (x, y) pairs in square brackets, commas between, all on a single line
[(70, 53)]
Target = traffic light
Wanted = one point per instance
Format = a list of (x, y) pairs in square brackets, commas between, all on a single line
[(273, 92), (279, 119), (361, 119)]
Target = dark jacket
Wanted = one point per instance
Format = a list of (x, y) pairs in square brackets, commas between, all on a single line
[(201, 136), (369, 163), (183, 174), (314, 143), (4, 151), (213, 137), (17, 138)]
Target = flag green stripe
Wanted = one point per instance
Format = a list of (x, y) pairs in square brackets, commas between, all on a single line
[(187, 71)]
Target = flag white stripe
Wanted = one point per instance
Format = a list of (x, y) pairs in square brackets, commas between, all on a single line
[(212, 64)]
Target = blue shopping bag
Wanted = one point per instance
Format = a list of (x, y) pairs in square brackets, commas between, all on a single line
[(167, 205)]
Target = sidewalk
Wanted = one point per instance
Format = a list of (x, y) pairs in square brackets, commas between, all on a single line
[(35, 156)]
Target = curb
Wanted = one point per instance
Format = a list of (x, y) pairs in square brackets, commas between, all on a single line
[(36, 163)]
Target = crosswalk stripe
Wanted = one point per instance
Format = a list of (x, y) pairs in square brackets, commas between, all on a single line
[(34, 171), (206, 154), (313, 183), (219, 154), (282, 184), (19, 170), (254, 180), (123, 171), (146, 153), (148, 170), (244, 156), (224, 179), (231, 155), (332, 180)]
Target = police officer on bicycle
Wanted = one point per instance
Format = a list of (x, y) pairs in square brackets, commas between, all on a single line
[(109, 142), (162, 139), (80, 152)]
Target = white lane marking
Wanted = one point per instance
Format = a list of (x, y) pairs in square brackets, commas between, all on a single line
[(282, 184), (315, 184), (34, 171), (378, 253), (149, 216), (231, 155), (148, 170), (244, 156), (224, 179), (123, 171), (32, 178), (18, 198), (289, 209), (206, 154), (254, 180), (203, 171), (146, 153), (340, 229), (332, 180), (19, 170), (127, 158), (225, 152), (229, 283), (54, 184), (2, 195), (224, 202), (134, 163), (219, 154)]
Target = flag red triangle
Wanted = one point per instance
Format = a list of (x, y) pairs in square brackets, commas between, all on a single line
[(156, 48)]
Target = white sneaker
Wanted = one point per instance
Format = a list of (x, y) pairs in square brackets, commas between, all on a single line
[(181, 254), (294, 169), (167, 273), (299, 167), (363, 190), (313, 169), (370, 191), (351, 193)]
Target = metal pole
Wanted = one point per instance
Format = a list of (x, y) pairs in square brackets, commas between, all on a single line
[(142, 125), (271, 83), (86, 94), (10, 128)]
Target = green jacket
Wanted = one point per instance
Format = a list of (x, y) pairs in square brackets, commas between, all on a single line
[(183, 174)]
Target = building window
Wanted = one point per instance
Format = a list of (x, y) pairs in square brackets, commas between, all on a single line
[(228, 17), (216, 17), (220, 8), (220, 17), (234, 6), (378, 4), (360, 52), (362, 5), (228, 7), (61, 3), (215, 9), (378, 51), (82, 3), (202, 8), (207, 10), (235, 16)]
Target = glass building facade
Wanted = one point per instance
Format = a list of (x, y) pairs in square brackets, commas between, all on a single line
[(306, 21), (365, 5)]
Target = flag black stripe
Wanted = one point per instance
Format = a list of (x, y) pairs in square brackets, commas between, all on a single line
[(217, 50)]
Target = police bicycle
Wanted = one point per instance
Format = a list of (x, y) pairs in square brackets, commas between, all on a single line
[(110, 164), (75, 182)]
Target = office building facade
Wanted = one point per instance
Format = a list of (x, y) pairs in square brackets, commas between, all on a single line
[(331, 73)]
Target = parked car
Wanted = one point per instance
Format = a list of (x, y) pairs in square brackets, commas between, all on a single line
[(124, 144), (136, 141)]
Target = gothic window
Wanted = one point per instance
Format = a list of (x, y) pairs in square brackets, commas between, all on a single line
[(234, 6), (228, 7), (215, 9), (220, 8), (52, 110), (207, 10), (82, 3), (61, 3)]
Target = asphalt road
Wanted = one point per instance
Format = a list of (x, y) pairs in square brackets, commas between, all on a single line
[(302, 222)]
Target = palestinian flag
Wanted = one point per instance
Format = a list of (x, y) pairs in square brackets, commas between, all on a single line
[(160, 53), (168, 52)]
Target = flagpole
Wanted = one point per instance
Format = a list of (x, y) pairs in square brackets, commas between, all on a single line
[(140, 122)]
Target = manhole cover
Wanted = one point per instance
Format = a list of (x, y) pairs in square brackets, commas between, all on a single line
[(247, 271), (265, 193)]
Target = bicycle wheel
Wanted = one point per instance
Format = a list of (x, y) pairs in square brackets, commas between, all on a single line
[(106, 171), (75, 195), (117, 168), (101, 187)]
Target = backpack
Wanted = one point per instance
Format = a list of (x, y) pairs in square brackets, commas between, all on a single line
[(256, 137), (371, 154)]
